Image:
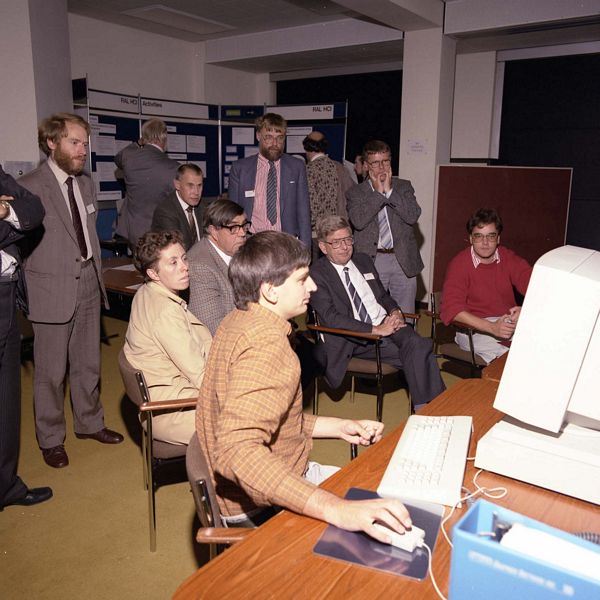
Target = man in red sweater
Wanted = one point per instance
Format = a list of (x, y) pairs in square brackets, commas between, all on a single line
[(479, 287)]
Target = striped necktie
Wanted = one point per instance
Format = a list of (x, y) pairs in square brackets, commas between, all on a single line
[(272, 193), (363, 315), (192, 222), (385, 235)]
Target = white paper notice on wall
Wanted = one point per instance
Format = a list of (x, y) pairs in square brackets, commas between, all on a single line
[(417, 147)]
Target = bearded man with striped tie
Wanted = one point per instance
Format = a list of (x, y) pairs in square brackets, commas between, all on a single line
[(350, 296)]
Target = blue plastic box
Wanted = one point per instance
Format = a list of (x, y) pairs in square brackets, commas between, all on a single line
[(482, 568)]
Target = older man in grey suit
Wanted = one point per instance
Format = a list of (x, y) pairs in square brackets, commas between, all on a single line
[(383, 211), (62, 270), (149, 175), (211, 293)]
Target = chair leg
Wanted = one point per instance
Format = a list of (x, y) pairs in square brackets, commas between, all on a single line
[(379, 399), (353, 451), (352, 390), (144, 458), (151, 488), (316, 397)]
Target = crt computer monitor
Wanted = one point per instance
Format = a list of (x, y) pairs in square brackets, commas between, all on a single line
[(550, 387), (552, 373)]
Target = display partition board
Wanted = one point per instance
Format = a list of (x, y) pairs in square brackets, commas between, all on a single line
[(238, 139), (532, 202), (329, 119)]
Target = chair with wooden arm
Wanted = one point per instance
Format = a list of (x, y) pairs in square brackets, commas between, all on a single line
[(155, 453), (212, 531), (443, 339), (359, 368)]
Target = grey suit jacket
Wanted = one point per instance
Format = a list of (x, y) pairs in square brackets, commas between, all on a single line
[(52, 255), (403, 212), (169, 216), (332, 304), (293, 193), (148, 173), (211, 294)]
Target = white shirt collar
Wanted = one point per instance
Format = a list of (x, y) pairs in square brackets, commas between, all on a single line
[(477, 261), (226, 258)]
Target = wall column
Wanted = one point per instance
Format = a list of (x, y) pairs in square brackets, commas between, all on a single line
[(426, 127)]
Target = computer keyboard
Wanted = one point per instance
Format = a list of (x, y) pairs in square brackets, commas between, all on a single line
[(429, 460)]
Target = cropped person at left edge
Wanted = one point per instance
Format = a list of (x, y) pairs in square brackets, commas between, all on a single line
[(63, 274), (20, 213)]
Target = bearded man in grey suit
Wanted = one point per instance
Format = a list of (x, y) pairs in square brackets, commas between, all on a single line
[(271, 186), (63, 274), (148, 173), (211, 293), (383, 212)]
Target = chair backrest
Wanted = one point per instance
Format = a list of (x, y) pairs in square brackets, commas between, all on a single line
[(203, 490), (133, 379)]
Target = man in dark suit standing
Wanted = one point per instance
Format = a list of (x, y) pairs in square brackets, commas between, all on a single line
[(20, 212), (271, 186), (182, 210), (63, 273), (350, 296), (383, 211), (211, 292), (148, 174)]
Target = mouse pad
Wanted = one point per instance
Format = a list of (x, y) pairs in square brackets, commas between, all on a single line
[(358, 548)]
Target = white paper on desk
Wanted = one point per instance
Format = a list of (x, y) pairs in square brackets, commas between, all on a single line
[(196, 144), (124, 268), (242, 135)]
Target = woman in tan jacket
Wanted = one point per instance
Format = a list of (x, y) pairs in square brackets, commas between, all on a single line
[(164, 339)]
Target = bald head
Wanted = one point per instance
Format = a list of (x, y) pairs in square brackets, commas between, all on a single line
[(314, 143)]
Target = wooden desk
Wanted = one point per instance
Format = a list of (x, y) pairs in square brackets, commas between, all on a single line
[(494, 370), (119, 281), (276, 561)]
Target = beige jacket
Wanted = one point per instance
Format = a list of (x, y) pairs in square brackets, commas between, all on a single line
[(167, 342)]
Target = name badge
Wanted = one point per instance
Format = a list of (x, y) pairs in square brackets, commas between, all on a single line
[(249, 193), (90, 208), (369, 276)]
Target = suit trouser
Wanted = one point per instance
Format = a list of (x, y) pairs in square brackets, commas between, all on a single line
[(401, 288), (11, 486), (408, 351), (72, 347)]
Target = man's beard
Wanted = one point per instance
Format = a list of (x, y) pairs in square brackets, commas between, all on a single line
[(68, 164), (271, 153)]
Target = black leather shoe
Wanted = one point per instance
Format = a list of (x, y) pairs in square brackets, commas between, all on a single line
[(33, 496), (104, 436), (56, 456)]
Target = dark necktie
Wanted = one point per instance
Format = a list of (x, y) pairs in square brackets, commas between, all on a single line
[(77, 225), (363, 315), (272, 193), (192, 222)]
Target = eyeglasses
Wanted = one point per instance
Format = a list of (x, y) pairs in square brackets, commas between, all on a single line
[(377, 164), (479, 237), (335, 244), (235, 229)]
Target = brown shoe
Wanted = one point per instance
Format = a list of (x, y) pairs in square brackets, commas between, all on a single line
[(56, 457), (104, 436)]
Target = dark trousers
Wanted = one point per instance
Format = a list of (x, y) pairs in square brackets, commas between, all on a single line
[(408, 351), (11, 486)]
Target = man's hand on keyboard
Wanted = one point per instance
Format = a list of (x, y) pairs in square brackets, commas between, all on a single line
[(363, 432)]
